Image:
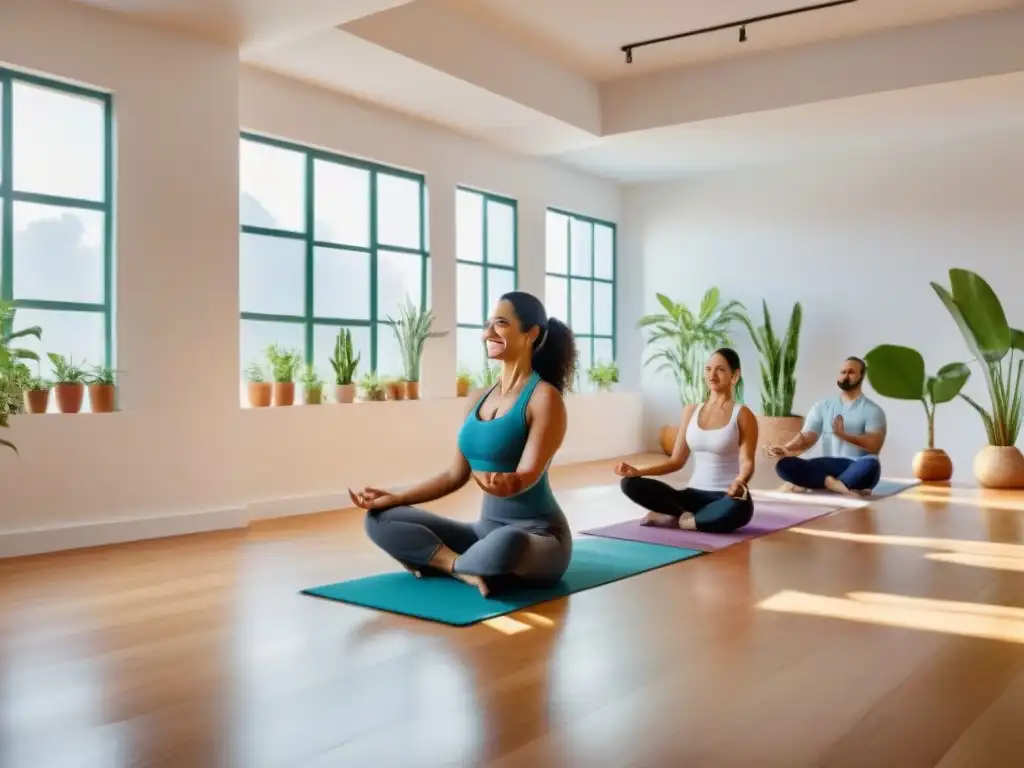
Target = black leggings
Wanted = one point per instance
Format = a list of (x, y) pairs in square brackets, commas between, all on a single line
[(713, 511)]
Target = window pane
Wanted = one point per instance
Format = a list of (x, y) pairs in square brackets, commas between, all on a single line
[(586, 358), (398, 211), (272, 275), (557, 243), (603, 309), (580, 297), (469, 226), (389, 353), (324, 337), (582, 248), (58, 254), (341, 284), (272, 187), (470, 349), (556, 298), (58, 143), (257, 335), (604, 262), (470, 294), (341, 204), (499, 281), (428, 270), (603, 352), (501, 233), (78, 336), (398, 276)]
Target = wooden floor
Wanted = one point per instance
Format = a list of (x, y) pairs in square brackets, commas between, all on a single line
[(891, 635)]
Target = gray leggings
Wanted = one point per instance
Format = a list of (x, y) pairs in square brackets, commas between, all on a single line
[(485, 548)]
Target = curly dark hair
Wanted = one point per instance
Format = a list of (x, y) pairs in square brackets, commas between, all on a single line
[(554, 352)]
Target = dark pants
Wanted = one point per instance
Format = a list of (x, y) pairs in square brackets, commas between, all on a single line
[(856, 474), (713, 511)]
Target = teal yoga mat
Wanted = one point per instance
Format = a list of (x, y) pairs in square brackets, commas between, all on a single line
[(448, 601)]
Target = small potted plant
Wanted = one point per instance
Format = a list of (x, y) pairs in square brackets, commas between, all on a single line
[(37, 395), (344, 362), (312, 386), (394, 388), (603, 376), (102, 389), (370, 388), (284, 365), (463, 383), (259, 388), (69, 383), (412, 331)]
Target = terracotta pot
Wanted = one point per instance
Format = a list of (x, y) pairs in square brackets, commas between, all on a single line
[(259, 394), (394, 390), (999, 467), (777, 430), (667, 438), (933, 465), (284, 393), (313, 396), (101, 398), (37, 400), (345, 393), (412, 390), (69, 397), (462, 387), (374, 396)]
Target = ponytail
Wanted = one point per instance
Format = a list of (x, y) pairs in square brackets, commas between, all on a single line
[(554, 355), (554, 349)]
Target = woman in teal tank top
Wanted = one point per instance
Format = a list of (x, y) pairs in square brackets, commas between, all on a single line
[(510, 435)]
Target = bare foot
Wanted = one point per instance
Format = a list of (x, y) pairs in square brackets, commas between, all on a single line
[(790, 488), (658, 519), (687, 522), (837, 486), (475, 581)]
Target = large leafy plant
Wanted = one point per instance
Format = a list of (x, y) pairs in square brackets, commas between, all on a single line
[(979, 315), (682, 339), (778, 360), (899, 372), (412, 329), (14, 374)]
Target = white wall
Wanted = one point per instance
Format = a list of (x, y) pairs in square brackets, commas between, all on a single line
[(856, 239), (182, 455)]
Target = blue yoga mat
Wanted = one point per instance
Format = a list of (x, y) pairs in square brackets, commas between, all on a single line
[(892, 487), (448, 601)]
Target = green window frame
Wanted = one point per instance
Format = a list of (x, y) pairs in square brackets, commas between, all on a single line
[(9, 195), (586, 342), (485, 263), (308, 319)]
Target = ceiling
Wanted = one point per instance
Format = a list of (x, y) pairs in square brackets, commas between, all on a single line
[(547, 77)]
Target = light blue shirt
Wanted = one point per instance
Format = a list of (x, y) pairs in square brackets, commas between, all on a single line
[(859, 417)]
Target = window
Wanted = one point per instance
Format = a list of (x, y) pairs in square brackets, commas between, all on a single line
[(486, 257), (580, 283), (56, 199), (327, 242)]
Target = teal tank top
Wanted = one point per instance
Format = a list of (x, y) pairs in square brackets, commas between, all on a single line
[(497, 446)]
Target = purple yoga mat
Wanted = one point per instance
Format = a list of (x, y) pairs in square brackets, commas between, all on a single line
[(769, 516)]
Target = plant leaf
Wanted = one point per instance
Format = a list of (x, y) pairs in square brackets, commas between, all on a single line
[(948, 382), (896, 372), (982, 313)]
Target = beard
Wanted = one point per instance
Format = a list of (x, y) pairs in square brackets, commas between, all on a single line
[(846, 385)]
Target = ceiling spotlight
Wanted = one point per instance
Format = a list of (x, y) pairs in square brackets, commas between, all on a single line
[(743, 33)]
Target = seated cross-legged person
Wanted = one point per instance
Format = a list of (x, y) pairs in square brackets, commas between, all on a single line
[(852, 430), (721, 434)]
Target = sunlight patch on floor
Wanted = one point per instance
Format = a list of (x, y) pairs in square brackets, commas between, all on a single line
[(973, 620), (979, 561), (988, 548)]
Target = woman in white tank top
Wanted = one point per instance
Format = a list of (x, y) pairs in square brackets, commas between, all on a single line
[(721, 435)]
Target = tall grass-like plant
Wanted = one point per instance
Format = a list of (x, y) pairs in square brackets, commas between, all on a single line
[(778, 361), (682, 339), (979, 315), (412, 329)]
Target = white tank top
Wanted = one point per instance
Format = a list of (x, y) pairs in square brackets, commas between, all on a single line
[(715, 452)]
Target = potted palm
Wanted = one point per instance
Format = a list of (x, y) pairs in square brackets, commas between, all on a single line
[(312, 386), (777, 424), (412, 331), (284, 365), (344, 362), (69, 383), (259, 389), (899, 372), (682, 340), (102, 389), (979, 315)]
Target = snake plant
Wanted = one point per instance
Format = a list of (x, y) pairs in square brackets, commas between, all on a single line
[(778, 361)]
